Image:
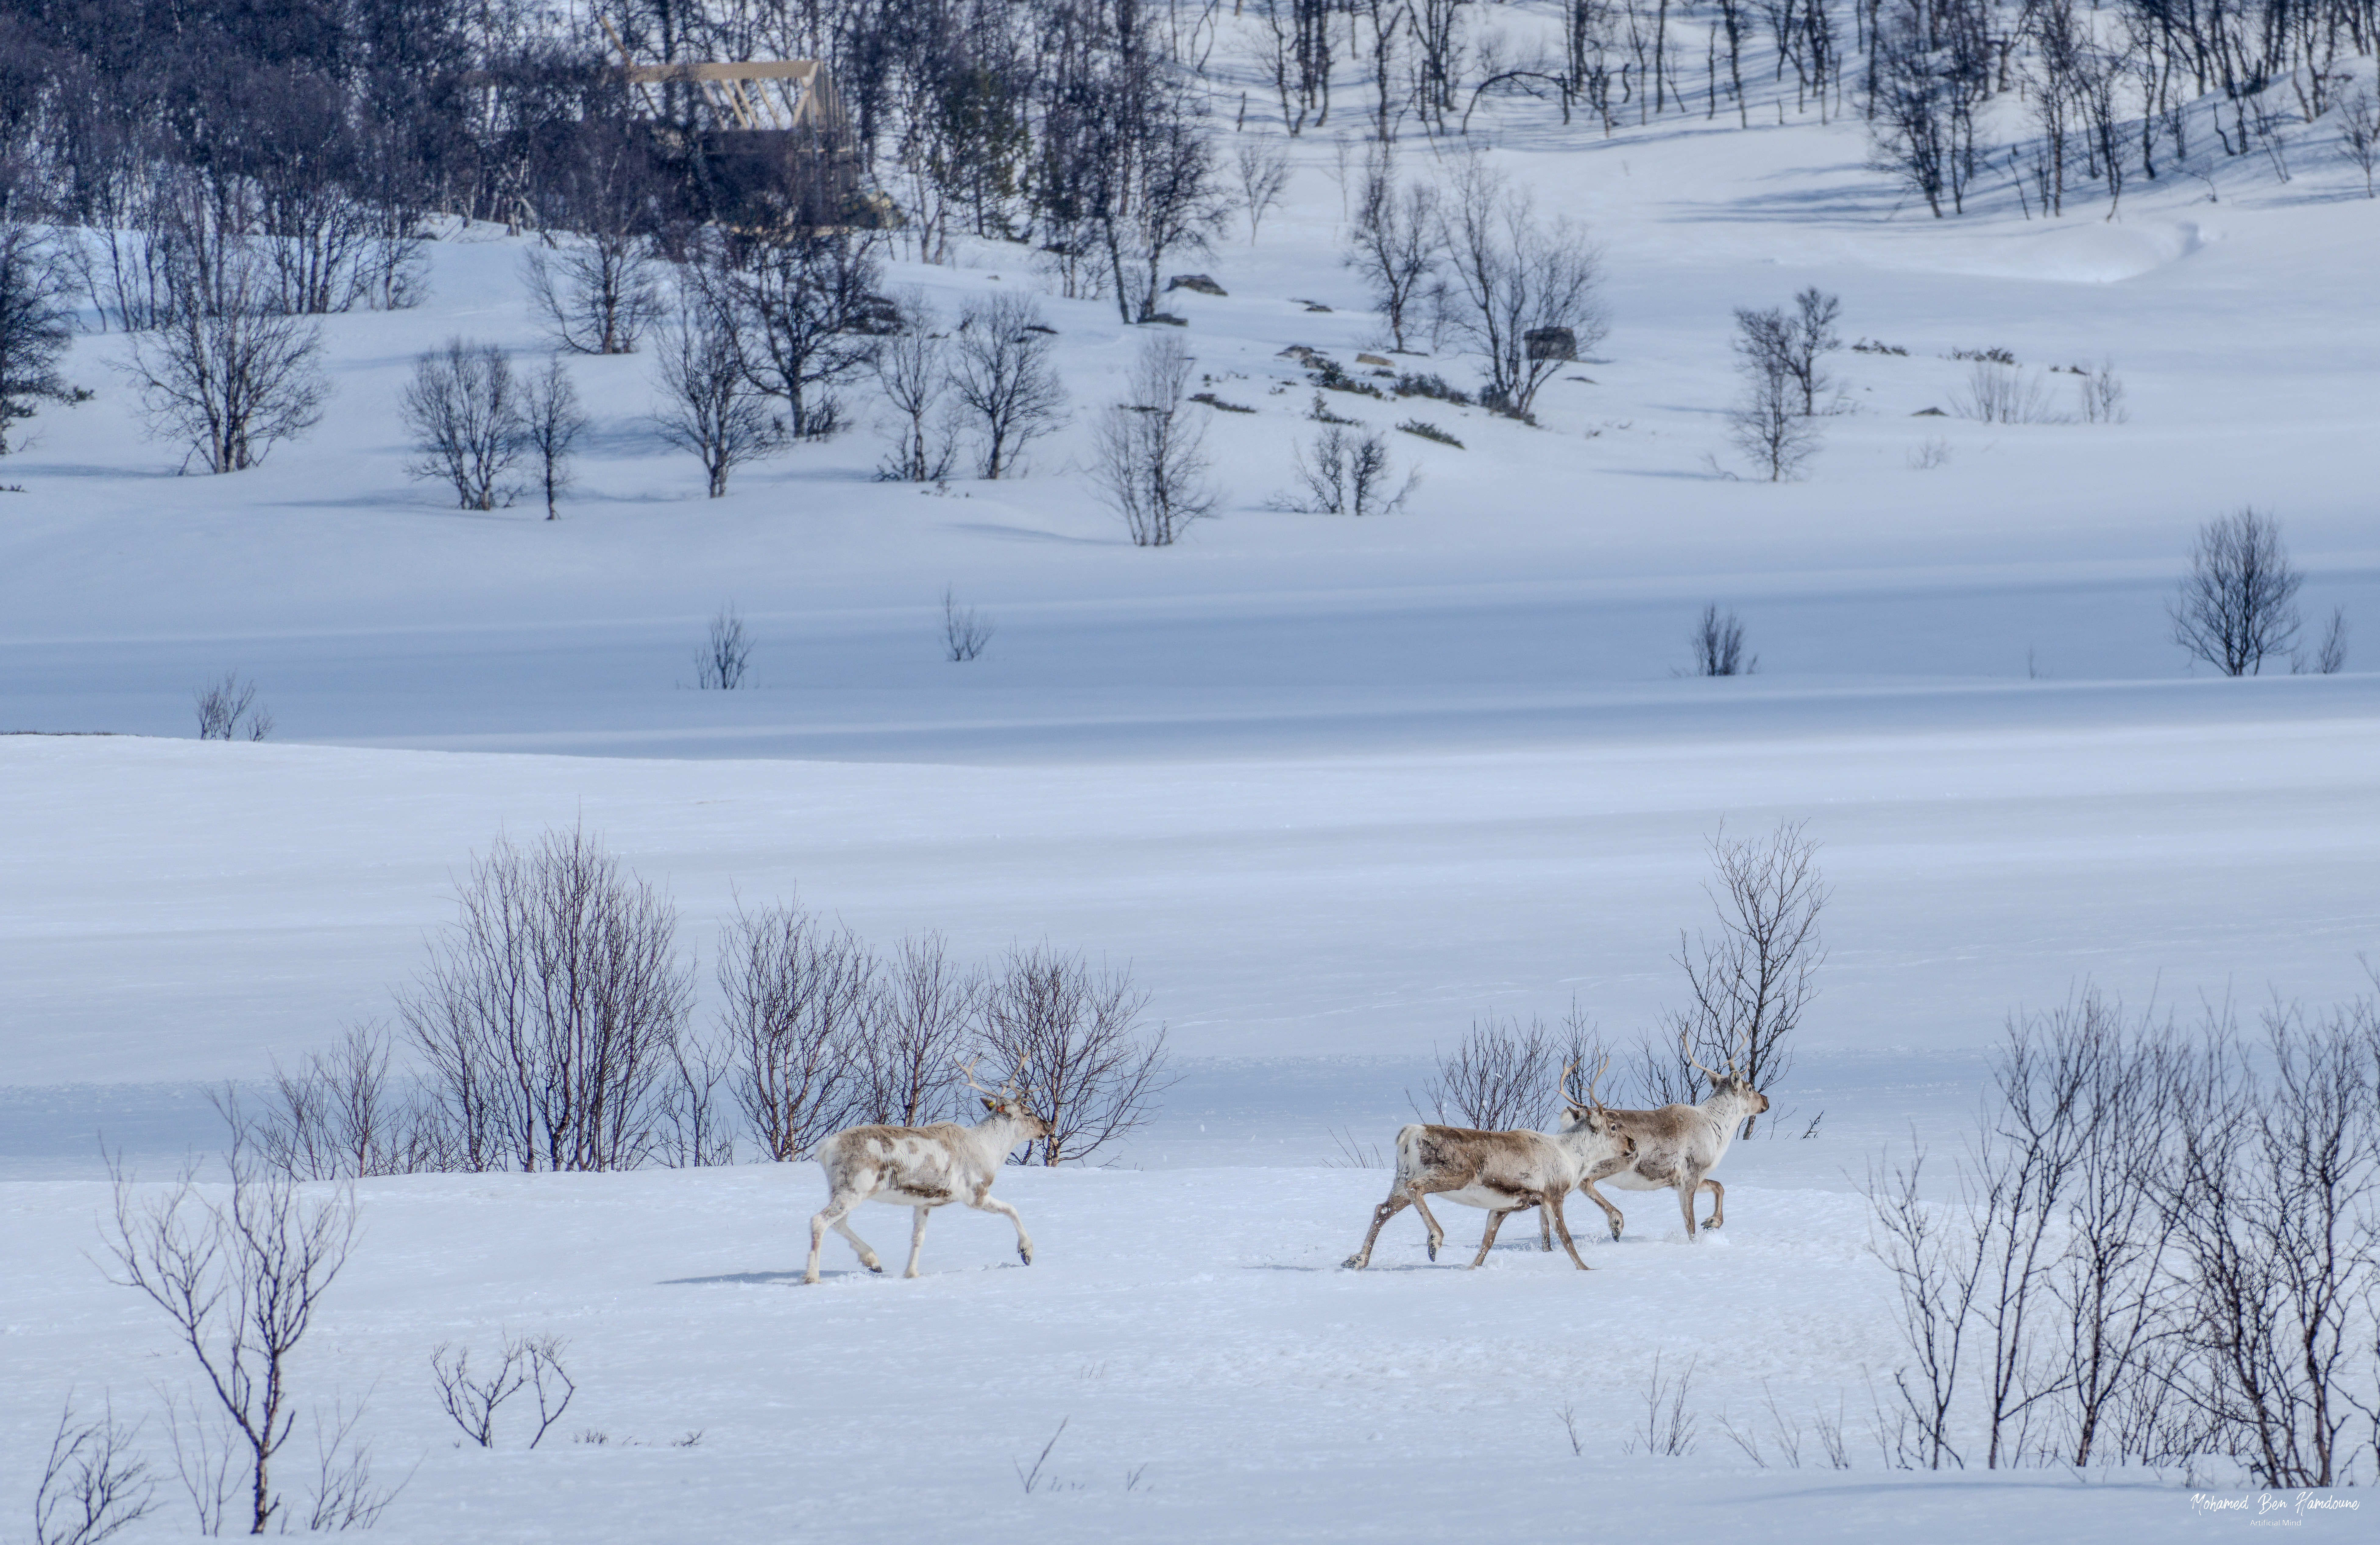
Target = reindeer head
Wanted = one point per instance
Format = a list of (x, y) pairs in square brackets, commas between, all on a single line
[(1731, 1083), (1585, 1111), (1007, 1100)]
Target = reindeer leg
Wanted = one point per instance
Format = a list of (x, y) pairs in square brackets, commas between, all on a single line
[(1718, 1202), (1437, 1234), (1487, 1236), (986, 1202), (1545, 1230), (1611, 1214), (1554, 1215), (1688, 1189), (1396, 1203), (841, 1225), (818, 1236), (918, 1239)]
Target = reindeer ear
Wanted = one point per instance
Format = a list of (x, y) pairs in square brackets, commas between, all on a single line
[(991, 1104)]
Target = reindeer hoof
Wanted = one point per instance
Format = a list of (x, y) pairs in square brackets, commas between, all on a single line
[(877, 1267), (1615, 1234), (1433, 1250), (1024, 1255), (1352, 1263), (810, 1281)]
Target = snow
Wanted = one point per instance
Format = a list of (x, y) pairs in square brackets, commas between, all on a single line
[(1332, 788)]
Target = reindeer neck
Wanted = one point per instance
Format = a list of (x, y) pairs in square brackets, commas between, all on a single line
[(1726, 1111), (996, 1137)]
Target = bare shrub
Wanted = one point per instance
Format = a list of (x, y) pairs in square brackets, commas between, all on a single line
[(547, 1016), (721, 664), (2003, 394), (532, 1363), (1348, 473), (463, 410), (1500, 1077), (1151, 462), (1003, 379), (1750, 983), (1668, 1427), (805, 309), (1717, 641), (93, 1484), (709, 407), (1072, 1039), (551, 424), (241, 1279), (919, 1018), (228, 711), (2103, 394), (965, 630), (2330, 655), (1929, 455), (340, 1116), (2271, 1198), (2238, 605), (792, 994)]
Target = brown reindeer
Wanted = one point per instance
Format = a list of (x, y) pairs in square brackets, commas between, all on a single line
[(1502, 1172), (1676, 1147), (923, 1168)]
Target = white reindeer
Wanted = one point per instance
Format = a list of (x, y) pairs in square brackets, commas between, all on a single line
[(1678, 1145), (923, 1168), (1502, 1172)]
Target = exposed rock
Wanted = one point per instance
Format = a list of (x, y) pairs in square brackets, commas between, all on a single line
[(1369, 360), (1198, 282), (1313, 359)]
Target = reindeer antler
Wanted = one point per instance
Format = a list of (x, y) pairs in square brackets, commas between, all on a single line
[(1596, 1079), (1689, 1054), (1010, 1090)]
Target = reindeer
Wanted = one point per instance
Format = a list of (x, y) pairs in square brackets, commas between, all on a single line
[(1677, 1146), (924, 1167), (1502, 1172)]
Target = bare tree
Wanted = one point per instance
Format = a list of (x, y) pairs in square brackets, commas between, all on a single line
[(1768, 429), (1394, 246), (1810, 337), (915, 1027), (226, 710), (532, 1363), (2103, 394), (1263, 168), (1072, 1038), (2330, 655), (36, 325), (1527, 293), (2359, 135), (1936, 1267), (708, 405), (241, 1279), (1998, 393), (1345, 472), (551, 424), (463, 410), (914, 370), (965, 631), (93, 1483), (725, 655), (225, 368), (547, 1014), (793, 995), (598, 294), (2238, 605), (1003, 379), (805, 313), (1717, 641), (1750, 983), (1151, 462)]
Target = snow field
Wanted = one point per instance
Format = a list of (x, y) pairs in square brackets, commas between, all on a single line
[(1192, 1327)]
